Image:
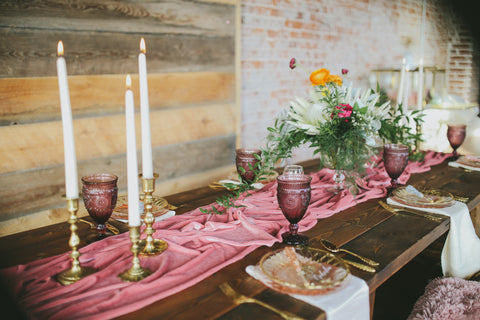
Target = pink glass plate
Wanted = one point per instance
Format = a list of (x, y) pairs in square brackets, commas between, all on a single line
[(430, 199), (308, 271), (469, 160)]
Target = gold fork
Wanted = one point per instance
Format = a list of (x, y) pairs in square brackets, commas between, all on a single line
[(418, 213), (92, 225), (239, 298)]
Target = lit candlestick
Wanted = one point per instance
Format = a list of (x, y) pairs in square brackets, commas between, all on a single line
[(420, 84), (420, 65), (71, 175), (132, 169), (147, 162), (402, 80)]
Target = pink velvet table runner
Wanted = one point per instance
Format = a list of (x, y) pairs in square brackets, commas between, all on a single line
[(198, 246)]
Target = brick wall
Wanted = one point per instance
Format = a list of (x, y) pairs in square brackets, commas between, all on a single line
[(359, 35)]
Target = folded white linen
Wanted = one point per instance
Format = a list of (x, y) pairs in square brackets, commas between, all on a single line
[(461, 165), (349, 302), (164, 216), (461, 251)]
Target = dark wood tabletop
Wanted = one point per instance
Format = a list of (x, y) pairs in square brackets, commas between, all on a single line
[(366, 228)]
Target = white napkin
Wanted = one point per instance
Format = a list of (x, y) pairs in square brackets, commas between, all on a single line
[(349, 302), (461, 165), (164, 216), (461, 252)]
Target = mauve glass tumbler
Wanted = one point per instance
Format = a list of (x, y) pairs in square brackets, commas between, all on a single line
[(247, 161), (293, 195), (395, 159)]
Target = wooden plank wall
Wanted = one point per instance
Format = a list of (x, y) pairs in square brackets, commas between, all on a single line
[(193, 87)]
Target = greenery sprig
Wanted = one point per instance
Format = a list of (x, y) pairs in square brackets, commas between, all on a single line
[(236, 190)]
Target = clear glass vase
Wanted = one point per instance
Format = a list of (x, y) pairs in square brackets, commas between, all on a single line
[(338, 181)]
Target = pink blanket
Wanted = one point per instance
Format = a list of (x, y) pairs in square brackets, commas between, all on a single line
[(198, 245)]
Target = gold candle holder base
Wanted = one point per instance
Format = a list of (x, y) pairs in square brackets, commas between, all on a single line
[(136, 272), (150, 246), (76, 273)]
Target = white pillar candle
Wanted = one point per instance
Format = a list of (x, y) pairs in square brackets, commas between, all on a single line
[(147, 162), (132, 165), (420, 85), (71, 175), (402, 80)]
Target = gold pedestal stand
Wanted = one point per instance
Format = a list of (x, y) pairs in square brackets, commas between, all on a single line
[(76, 272), (150, 246), (136, 272)]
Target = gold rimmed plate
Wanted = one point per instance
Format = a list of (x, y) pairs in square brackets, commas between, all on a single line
[(431, 198), (304, 270), (469, 160), (160, 207)]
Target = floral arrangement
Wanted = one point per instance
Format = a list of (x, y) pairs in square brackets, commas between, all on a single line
[(341, 124)]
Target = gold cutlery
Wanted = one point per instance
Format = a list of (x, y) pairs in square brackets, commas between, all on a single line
[(92, 225), (239, 298), (333, 248), (460, 198), (418, 213), (360, 266)]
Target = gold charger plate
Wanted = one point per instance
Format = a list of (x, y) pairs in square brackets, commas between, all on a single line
[(272, 176), (469, 160), (302, 270), (160, 207), (430, 199)]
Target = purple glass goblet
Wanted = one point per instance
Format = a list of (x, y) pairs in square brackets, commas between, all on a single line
[(456, 136), (395, 159), (247, 161), (99, 193), (293, 195)]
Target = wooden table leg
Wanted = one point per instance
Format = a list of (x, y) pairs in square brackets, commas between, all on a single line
[(372, 303)]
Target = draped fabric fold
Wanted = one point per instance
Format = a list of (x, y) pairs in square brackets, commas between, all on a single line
[(198, 246)]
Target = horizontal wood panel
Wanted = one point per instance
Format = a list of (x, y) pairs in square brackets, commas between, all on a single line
[(40, 189), (147, 17), (24, 100), (23, 147), (110, 53)]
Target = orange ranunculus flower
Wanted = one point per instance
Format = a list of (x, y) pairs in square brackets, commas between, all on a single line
[(319, 77), (335, 79)]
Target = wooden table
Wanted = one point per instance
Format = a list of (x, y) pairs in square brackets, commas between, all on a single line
[(391, 239)]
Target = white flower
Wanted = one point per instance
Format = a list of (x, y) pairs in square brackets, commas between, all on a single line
[(307, 116)]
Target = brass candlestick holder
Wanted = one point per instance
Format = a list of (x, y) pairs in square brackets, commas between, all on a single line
[(136, 272), (76, 273), (150, 246)]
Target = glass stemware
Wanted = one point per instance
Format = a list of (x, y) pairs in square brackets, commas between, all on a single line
[(293, 169), (456, 136), (395, 159), (293, 195), (247, 161), (99, 194)]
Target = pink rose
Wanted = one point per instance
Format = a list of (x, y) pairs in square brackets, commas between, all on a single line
[(344, 71), (346, 111)]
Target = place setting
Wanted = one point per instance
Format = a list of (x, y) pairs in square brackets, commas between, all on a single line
[(313, 275), (456, 134), (247, 174), (460, 252)]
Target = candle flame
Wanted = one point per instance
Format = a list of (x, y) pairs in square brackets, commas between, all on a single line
[(129, 82), (143, 47), (60, 48)]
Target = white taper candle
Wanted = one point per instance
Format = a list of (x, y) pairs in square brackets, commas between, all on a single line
[(401, 85), (147, 162), (71, 175), (132, 165)]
